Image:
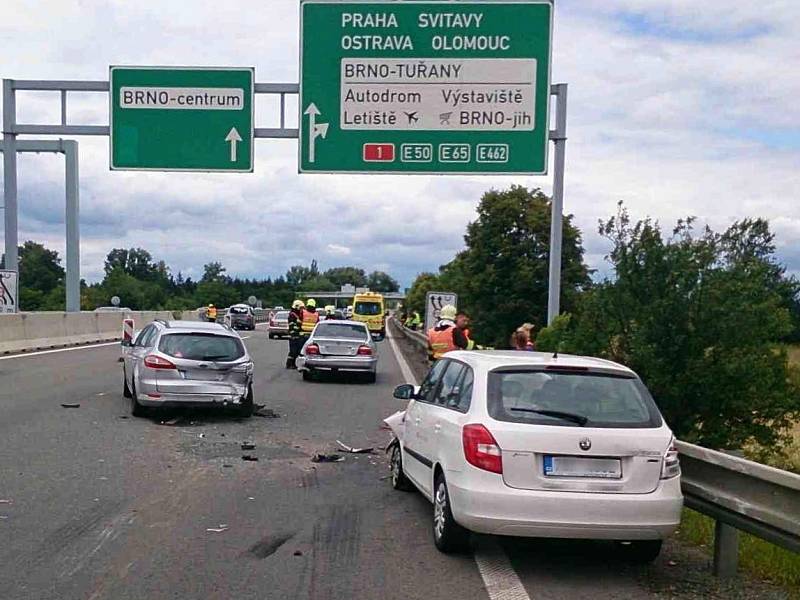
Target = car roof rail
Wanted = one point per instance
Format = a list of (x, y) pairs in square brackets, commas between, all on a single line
[(162, 321)]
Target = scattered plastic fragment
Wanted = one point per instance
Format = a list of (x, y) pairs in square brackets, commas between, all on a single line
[(248, 446), (352, 450), (298, 553), (226, 465), (172, 422), (220, 529), (321, 458), (5, 501), (123, 416), (202, 435), (249, 457), (70, 405), (250, 498)]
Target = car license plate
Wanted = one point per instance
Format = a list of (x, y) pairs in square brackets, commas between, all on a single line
[(578, 466), (203, 375)]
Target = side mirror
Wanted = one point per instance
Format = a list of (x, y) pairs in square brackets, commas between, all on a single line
[(404, 392), (126, 343)]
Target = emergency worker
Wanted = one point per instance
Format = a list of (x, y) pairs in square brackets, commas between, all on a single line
[(211, 313), (295, 333), (446, 335), (310, 317)]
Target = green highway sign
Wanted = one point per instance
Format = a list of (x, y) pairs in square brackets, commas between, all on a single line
[(181, 118), (425, 87)]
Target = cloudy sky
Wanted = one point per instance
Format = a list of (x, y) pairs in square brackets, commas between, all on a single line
[(676, 107)]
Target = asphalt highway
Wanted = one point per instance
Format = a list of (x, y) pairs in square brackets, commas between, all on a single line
[(96, 504)]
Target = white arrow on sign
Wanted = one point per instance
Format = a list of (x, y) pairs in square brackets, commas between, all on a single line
[(315, 129), (234, 138)]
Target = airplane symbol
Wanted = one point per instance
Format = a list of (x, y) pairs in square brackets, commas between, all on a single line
[(412, 117)]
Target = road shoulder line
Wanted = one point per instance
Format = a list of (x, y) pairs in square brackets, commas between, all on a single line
[(40, 352)]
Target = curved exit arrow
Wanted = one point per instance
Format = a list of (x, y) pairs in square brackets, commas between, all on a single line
[(233, 137), (315, 129)]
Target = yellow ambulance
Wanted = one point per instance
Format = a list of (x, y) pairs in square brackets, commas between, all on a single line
[(368, 308)]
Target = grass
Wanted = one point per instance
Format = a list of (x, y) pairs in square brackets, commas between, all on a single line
[(793, 350), (757, 557)]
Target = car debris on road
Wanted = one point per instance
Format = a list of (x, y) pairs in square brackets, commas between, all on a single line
[(250, 458), (220, 529), (321, 458), (70, 405), (248, 446), (352, 450)]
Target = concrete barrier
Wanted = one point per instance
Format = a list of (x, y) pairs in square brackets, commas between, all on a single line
[(25, 332)]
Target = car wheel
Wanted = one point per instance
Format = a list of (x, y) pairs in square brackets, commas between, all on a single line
[(247, 405), (399, 480), (137, 410), (449, 536), (272, 337), (308, 375), (639, 552), (126, 391)]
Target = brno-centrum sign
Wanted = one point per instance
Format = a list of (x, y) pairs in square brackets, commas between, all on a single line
[(181, 118), (425, 87)]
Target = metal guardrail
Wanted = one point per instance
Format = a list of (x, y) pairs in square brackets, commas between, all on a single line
[(739, 494)]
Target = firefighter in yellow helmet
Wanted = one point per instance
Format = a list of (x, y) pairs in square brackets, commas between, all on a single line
[(296, 338), (310, 317), (446, 335)]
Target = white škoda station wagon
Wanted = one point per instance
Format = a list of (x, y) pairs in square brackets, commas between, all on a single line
[(531, 444)]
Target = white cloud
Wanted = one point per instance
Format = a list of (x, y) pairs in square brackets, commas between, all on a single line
[(674, 107), (337, 250)]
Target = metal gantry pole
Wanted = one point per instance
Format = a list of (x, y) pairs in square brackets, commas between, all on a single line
[(73, 283), (559, 137), (10, 174)]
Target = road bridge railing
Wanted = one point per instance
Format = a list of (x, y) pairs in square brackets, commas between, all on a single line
[(739, 494)]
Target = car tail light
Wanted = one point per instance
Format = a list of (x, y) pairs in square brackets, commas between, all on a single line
[(671, 465), (156, 362), (312, 349), (481, 449), (364, 351)]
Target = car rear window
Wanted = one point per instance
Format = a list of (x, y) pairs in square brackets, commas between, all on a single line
[(201, 346), (367, 308), (341, 330), (239, 310), (604, 400), (282, 315)]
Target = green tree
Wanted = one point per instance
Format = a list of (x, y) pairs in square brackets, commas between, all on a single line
[(424, 283), (378, 281), (138, 263), (41, 277), (318, 284), (340, 276), (502, 275), (213, 271), (699, 317), (298, 274)]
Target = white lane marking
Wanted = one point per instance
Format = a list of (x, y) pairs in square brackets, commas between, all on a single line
[(499, 577), (408, 374), (40, 352)]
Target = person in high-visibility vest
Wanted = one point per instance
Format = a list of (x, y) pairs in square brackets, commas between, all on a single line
[(446, 335), (211, 313), (310, 317), (295, 333), (414, 321)]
